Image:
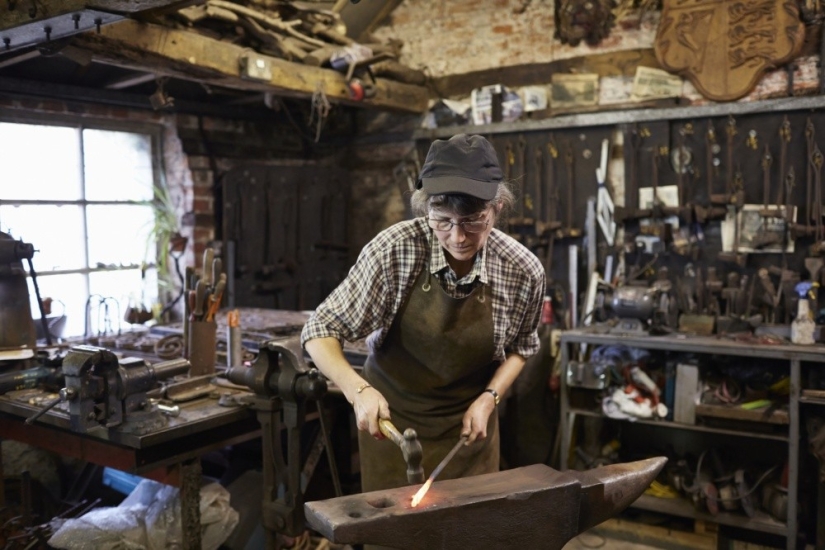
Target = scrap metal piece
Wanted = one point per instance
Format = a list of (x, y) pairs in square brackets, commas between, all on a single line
[(530, 507)]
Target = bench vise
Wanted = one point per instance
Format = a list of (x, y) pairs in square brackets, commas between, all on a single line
[(283, 384), (103, 391)]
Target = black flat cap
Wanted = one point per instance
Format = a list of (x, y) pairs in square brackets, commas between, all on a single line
[(462, 164)]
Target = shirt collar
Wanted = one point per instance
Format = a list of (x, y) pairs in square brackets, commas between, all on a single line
[(438, 262)]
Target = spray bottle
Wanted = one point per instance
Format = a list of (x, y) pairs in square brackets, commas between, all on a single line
[(802, 327)]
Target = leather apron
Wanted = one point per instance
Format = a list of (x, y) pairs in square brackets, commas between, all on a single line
[(435, 361)]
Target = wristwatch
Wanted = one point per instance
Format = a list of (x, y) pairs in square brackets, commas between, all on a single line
[(494, 393)]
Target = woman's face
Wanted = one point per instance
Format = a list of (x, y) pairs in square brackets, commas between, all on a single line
[(459, 243)]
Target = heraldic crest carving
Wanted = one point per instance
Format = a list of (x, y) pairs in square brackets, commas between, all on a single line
[(724, 46)]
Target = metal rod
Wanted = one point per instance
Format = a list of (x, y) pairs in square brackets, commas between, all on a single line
[(447, 458)]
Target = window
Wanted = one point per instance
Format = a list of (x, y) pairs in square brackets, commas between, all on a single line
[(83, 197)]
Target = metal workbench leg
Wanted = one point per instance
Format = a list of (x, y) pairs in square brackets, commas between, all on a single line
[(564, 404), (190, 499), (793, 453)]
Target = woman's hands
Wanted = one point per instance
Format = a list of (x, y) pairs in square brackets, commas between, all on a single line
[(369, 405), (476, 418)]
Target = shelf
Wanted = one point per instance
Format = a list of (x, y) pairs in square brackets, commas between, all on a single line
[(683, 508), (812, 400), (609, 118), (677, 426), (696, 344)]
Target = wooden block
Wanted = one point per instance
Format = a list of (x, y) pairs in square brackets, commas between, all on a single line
[(734, 412)]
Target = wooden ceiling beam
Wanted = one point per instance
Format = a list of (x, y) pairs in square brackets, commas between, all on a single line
[(188, 55)]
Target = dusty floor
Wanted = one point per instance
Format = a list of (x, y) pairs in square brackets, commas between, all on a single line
[(591, 540)]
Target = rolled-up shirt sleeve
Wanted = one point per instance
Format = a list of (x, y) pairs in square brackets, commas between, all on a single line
[(358, 306), (526, 342)]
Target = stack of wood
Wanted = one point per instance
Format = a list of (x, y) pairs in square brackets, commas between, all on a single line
[(295, 31)]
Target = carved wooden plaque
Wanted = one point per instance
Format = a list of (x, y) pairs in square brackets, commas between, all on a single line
[(724, 46)]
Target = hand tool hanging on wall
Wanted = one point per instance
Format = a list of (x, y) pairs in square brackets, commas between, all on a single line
[(570, 168), (681, 154), (630, 210), (784, 140), (522, 224), (551, 196), (814, 261), (604, 206), (734, 190), (521, 154), (766, 238), (708, 211), (551, 193), (810, 138), (509, 161), (711, 148), (735, 256)]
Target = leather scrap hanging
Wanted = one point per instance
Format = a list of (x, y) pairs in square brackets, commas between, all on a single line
[(724, 46)]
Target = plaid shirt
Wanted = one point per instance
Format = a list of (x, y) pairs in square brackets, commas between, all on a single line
[(380, 281)]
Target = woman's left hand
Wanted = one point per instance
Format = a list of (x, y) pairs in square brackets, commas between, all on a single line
[(476, 417)]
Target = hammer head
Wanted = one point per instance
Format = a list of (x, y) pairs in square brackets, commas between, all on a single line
[(413, 454)]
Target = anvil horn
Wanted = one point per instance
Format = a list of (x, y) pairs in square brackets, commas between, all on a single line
[(530, 507)]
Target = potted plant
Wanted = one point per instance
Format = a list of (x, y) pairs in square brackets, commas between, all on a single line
[(166, 240)]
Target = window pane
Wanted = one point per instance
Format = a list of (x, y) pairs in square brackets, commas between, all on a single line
[(117, 289), (118, 235), (118, 166), (55, 231), (25, 174), (68, 294)]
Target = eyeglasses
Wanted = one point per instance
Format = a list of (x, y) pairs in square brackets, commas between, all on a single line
[(468, 226)]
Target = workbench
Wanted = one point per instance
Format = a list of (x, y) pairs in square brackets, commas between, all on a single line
[(795, 357), (170, 455)]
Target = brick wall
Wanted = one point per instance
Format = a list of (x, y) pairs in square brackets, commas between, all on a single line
[(462, 36)]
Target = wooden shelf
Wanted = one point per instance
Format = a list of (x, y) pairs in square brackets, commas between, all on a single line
[(188, 55), (683, 508), (697, 344), (795, 358), (692, 427), (629, 116)]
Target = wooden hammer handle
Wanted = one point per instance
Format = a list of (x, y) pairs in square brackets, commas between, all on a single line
[(390, 431)]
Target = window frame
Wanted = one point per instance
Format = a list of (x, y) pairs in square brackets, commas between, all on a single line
[(154, 130)]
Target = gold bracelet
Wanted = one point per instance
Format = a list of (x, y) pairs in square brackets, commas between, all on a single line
[(494, 393), (361, 388)]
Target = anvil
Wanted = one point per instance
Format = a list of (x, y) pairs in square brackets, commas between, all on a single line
[(530, 507)]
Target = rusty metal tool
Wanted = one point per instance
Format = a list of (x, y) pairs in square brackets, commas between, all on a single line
[(521, 145), (784, 140), (410, 448), (507, 509)]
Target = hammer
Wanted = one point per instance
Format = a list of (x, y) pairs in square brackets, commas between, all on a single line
[(410, 448)]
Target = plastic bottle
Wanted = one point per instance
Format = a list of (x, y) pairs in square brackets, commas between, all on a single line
[(803, 326)]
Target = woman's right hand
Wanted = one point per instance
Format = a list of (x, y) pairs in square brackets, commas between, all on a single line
[(369, 406)]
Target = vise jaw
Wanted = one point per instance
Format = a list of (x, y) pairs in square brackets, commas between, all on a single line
[(104, 391), (92, 381)]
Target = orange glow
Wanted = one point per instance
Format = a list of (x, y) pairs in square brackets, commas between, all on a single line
[(421, 492)]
